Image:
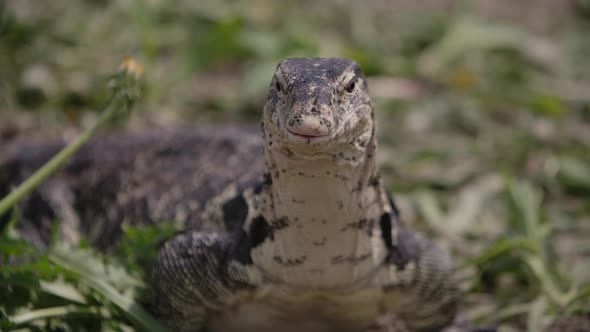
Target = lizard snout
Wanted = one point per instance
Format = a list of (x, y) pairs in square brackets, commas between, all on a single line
[(312, 122)]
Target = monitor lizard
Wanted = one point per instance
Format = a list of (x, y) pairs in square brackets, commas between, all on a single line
[(318, 244), (293, 230)]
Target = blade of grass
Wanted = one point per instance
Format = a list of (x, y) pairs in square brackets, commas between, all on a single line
[(582, 294), (527, 202), (33, 315), (502, 247), (537, 319), (504, 313), (132, 309), (62, 290)]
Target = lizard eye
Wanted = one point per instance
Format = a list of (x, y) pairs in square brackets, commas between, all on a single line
[(351, 85), (278, 86)]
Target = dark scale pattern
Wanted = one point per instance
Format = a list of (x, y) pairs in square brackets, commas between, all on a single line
[(362, 224), (191, 272), (259, 231), (289, 262), (352, 259), (436, 298), (235, 211), (140, 178)]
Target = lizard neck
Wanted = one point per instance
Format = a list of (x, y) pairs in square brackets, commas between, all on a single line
[(334, 188), (324, 214)]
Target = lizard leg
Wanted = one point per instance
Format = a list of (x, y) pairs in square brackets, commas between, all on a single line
[(417, 282), (196, 274)]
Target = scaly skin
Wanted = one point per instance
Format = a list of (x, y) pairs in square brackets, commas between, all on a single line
[(145, 178), (319, 245)]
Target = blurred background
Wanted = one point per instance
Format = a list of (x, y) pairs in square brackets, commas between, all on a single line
[(483, 110)]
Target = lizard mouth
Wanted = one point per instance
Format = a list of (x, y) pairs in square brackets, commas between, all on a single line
[(306, 138)]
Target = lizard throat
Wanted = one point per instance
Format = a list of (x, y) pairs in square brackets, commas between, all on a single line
[(324, 213)]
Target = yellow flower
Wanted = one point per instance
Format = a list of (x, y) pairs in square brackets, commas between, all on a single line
[(131, 66), (463, 79)]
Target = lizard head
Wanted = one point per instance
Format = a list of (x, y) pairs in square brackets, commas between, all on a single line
[(318, 108)]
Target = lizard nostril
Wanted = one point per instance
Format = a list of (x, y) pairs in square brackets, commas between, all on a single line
[(312, 126)]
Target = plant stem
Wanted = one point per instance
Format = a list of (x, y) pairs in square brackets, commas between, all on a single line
[(118, 102)]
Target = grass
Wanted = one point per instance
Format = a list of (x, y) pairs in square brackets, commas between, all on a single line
[(77, 289), (484, 135)]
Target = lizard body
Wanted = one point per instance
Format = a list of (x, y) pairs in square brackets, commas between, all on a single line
[(139, 178), (319, 245)]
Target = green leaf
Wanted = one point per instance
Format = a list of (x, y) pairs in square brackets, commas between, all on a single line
[(574, 173), (12, 247), (138, 245), (97, 275), (93, 264), (526, 201), (548, 105), (63, 290)]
